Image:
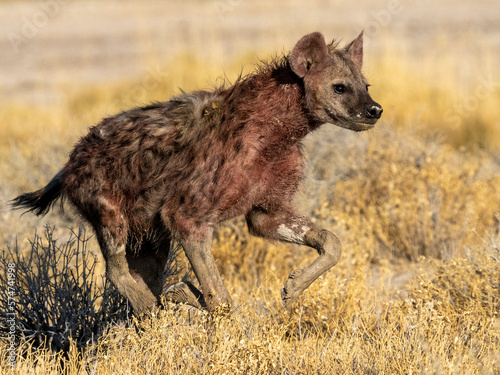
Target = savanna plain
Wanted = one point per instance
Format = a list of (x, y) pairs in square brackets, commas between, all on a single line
[(414, 201)]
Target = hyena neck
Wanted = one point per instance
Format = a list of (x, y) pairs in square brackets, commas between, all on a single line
[(272, 103)]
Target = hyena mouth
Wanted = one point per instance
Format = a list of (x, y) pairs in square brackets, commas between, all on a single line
[(360, 126), (350, 123)]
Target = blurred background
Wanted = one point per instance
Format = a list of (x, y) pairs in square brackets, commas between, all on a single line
[(49, 43)]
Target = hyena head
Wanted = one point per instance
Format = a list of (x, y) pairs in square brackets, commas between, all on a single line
[(335, 89)]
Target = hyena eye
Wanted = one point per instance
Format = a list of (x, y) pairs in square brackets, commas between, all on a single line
[(339, 89), (367, 87)]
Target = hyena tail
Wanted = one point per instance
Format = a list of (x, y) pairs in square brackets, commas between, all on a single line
[(40, 202)]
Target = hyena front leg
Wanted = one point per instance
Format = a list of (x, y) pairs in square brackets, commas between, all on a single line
[(286, 226), (213, 296)]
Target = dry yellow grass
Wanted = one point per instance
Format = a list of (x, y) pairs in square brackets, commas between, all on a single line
[(417, 289), (351, 321)]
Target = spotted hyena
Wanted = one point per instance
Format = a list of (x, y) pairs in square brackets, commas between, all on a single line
[(175, 170)]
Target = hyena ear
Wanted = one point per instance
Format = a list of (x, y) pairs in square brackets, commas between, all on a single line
[(355, 50), (309, 50)]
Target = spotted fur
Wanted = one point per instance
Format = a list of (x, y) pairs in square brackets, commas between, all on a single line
[(176, 169)]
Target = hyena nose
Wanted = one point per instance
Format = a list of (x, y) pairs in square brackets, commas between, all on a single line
[(373, 111)]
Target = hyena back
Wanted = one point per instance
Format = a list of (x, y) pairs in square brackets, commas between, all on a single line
[(175, 170)]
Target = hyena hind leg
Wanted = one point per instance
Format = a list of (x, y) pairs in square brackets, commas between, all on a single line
[(118, 272), (147, 261)]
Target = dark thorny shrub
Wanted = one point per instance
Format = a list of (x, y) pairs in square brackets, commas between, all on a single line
[(57, 293)]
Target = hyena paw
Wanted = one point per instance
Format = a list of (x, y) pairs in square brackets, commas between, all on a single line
[(292, 290), (144, 304), (185, 292)]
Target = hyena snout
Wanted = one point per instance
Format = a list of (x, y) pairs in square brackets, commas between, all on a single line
[(374, 111)]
